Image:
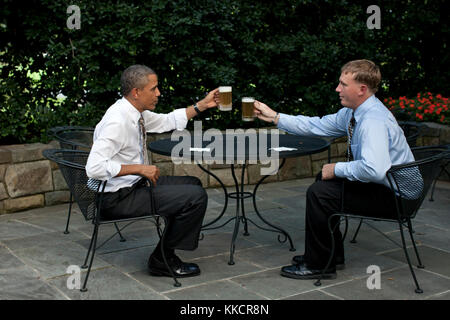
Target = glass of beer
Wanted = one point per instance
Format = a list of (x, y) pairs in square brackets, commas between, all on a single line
[(225, 96), (247, 109)]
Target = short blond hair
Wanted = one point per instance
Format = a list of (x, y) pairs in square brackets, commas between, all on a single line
[(365, 72)]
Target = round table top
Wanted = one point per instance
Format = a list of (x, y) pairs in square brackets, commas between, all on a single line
[(238, 146)]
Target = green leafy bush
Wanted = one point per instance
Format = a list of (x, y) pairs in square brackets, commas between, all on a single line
[(285, 53)]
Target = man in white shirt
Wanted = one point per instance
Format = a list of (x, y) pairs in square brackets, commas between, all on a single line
[(376, 143), (119, 155)]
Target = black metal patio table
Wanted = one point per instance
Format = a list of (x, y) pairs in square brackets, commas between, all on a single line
[(239, 148)]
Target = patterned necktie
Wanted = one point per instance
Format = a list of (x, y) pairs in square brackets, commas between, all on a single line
[(351, 126), (143, 139)]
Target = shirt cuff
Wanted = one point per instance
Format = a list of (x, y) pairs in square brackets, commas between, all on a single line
[(180, 118), (340, 169), (280, 121)]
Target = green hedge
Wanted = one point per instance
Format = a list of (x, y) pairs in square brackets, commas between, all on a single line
[(285, 53)]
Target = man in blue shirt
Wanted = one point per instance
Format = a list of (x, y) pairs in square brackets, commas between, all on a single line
[(376, 143)]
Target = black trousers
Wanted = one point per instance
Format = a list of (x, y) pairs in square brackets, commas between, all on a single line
[(181, 199), (324, 198)]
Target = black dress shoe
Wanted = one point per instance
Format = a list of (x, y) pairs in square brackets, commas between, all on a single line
[(340, 264), (180, 269), (302, 271)]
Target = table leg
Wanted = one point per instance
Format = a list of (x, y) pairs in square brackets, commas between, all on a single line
[(236, 223), (205, 226), (275, 228), (240, 195)]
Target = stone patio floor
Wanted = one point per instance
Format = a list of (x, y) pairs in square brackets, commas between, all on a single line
[(35, 255)]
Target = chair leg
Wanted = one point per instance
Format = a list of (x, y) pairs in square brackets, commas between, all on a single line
[(158, 227), (436, 179), (433, 187), (357, 231), (418, 289), (333, 245), (84, 266), (93, 247), (176, 284), (419, 261), (68, 214), (122, 239), (346, 229)]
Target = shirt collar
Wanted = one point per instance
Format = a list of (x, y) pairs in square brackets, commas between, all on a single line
[(134, 114), (364, 107)]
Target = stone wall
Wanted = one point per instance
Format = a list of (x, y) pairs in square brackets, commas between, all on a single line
[(28, 180)]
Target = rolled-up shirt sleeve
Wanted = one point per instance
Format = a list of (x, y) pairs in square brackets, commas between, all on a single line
[(109, 141), (158, 122)]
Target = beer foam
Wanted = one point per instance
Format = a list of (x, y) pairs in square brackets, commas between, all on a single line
[(248, 99), (224, 89)]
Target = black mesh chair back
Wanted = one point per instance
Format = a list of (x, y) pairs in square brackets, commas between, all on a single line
[(72, 165), (412, 131), (412, 181), (410, 184), (73, 137)]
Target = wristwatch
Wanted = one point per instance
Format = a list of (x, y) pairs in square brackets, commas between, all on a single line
[(197, 109), (275, 118)]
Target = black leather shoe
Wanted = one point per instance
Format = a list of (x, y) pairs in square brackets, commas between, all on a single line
[(340, 264), (302, 271), (156, 267)]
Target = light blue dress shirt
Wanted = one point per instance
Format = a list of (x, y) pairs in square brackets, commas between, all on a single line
[(377, 143)]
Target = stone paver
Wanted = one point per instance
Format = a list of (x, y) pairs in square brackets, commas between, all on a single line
[(35, 255)]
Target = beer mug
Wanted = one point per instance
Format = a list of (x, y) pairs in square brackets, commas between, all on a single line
[(225, 97), (247, 109)]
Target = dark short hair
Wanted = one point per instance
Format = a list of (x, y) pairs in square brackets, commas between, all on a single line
[(365, 72), (135, 76)]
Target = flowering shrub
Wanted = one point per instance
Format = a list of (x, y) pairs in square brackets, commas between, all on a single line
[(424, 107)]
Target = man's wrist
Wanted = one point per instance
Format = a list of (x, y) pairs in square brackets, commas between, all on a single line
[(197, 109), (276, 118)]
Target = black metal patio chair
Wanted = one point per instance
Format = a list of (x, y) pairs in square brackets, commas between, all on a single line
[(419, 153), (445, 163), (74, 138), (88, 194), (412, 131), (410, 184)]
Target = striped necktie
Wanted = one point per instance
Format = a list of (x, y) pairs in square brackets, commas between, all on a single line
[(351, 126), (143, 140)]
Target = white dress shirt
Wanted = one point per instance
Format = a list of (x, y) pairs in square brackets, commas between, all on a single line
[(117, 141), (377, 142)]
